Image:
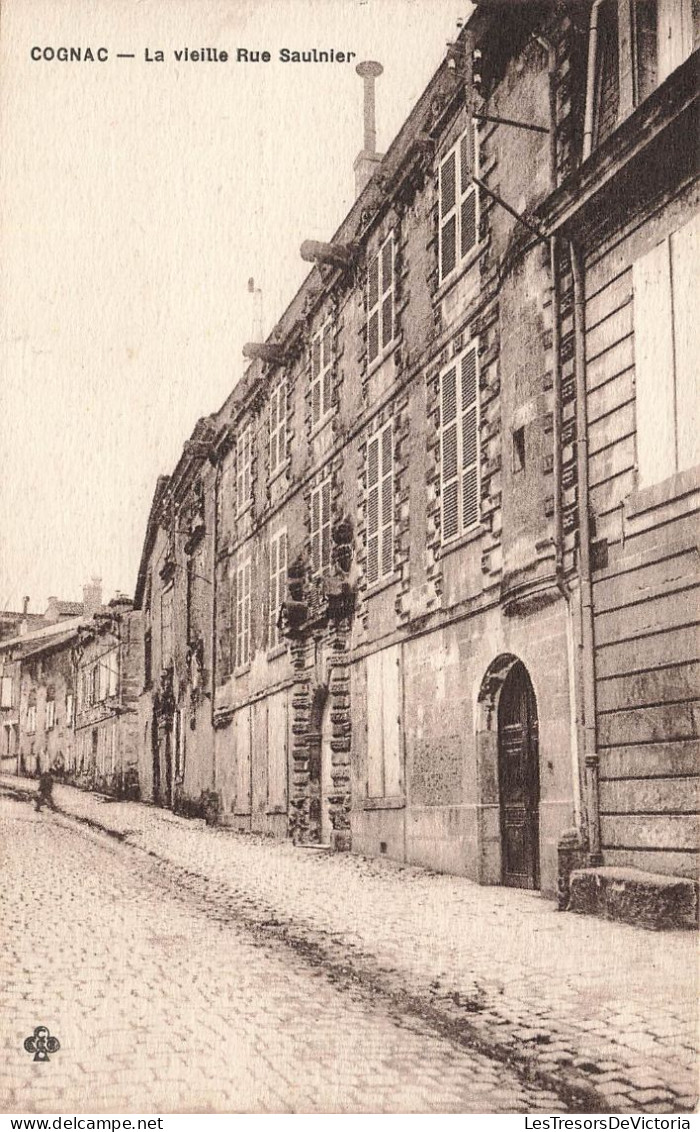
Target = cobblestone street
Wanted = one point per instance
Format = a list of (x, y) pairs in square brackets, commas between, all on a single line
[(190, 968), (160, 1007)]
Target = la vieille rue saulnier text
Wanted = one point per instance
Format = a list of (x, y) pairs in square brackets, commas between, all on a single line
[(50, 54)]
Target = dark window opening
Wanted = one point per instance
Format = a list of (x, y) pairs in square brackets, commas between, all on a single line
[(519, 449)]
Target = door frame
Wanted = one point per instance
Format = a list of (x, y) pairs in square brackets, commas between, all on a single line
[(524, 705)]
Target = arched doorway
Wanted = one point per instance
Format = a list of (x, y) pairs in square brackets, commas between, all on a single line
[(519, 780)]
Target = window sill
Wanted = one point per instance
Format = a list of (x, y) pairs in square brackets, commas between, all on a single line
[(462, 540), (278, 472), (383, 584), (382, 357), (273, 810), (457, 273), (320, 425), (649, 498), (277, 651), (394, 803)]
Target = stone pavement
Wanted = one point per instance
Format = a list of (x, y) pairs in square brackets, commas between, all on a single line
[(160, 1006), (602, 1012)]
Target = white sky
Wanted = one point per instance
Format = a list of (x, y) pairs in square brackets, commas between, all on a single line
[(136, 199)]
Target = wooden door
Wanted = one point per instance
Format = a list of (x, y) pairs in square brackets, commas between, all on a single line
[(519, 781)]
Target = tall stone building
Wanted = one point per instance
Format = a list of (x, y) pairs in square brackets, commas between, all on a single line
[(433, 566)]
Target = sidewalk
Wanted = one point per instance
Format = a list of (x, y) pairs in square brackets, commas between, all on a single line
[(606, 1009)]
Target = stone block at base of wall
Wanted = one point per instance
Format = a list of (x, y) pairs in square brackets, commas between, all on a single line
[(635, 897)]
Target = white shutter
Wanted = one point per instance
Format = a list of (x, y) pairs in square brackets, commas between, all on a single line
[(373, 310), (449, 454), (315, 507), (242, 733), (387, 501), (653, 353), (387, 289), (277, 750), (391, 713), (325, 524), (326, 369), (685, 257), (375, 723), (470, 439), (373, 503)]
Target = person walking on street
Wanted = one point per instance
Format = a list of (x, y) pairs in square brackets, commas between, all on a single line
[(44, 795)]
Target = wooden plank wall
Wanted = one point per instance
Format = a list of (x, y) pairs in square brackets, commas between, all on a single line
[(646, 600)]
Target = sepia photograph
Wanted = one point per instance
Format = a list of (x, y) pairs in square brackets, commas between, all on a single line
[(349, 565)]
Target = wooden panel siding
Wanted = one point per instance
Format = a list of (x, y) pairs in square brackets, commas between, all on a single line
[(609, 331), (676, 832), (610, 394), (606, 366), (648, 724), (669, 684), (641, 581), (650, 795), (651, 760), (613, 460), (659, 648), (607, 430), (611, 296), (648, 616)]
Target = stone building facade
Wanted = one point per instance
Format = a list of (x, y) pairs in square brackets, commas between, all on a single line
[(404, 549), (107, 658)]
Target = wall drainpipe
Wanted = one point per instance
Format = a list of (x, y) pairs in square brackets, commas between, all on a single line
[(590, 78), (590, 746), (217, 470)]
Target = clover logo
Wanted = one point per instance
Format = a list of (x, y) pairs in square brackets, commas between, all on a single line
[(41, 1043)]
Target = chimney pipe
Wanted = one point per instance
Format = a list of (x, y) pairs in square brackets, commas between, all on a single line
[(25, 606), (367, 159)]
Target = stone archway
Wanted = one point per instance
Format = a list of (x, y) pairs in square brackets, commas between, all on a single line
[(507, 769)]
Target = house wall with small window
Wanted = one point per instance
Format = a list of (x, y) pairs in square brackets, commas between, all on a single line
[(46, 710)]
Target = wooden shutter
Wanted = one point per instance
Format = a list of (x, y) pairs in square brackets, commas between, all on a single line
[(325, 524), (316, 530), (387, 282), (243, 767), (316, 379), (448, 215), (326, 369), (449, 454), (375, 755), (470, 439), (373, 502), (653, 352), (373, 309), (277, 751), (469, 234), (391, 712), (685, 257), (387, 501)]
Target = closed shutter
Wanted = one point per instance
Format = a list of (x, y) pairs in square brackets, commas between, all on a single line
[(278, 582), (316, 379), (470, 441), (326, 525), (375, 752), (387, 292), (373, 309), (387, 500), (326, 368), (243, 768), (277, 751), (685, 257), (448, 215), (373, 500), (391, 712), (449, 454), (320, 525), (653, 353)]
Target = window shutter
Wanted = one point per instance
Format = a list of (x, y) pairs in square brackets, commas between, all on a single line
[(373, 510), (685, 256), (326, 360), (653, 349), (326, 524), (470, 441), (316, 530), (388, 292), (469, 234), (449, 457), (448, 184), (387, 500), (448, 218), (448, 247)]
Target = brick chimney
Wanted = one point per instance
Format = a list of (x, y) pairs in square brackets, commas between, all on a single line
[(92, 597), (52, 613), (367, 159)]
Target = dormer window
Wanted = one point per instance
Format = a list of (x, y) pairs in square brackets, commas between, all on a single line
[(380, 301), (459, 206)]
